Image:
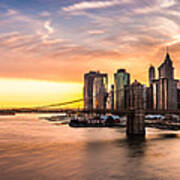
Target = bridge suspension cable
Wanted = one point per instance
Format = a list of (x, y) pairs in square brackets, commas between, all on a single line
[(59, 104)]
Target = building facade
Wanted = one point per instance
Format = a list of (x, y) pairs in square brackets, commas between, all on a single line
[(100, 89), (137, 96), (88, 89), (95, 85), (178, 95), (152, 74), (110, 99), (121, 83), (149, 90)]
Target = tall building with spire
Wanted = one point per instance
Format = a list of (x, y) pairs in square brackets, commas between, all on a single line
[(166, 69), (165, 87)]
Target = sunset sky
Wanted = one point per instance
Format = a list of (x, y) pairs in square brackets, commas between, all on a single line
[(47, 45)]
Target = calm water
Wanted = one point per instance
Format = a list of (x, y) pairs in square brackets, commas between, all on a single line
[(34, 149)]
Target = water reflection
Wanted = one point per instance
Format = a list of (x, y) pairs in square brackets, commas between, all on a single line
[(34, 149), (165, 136)]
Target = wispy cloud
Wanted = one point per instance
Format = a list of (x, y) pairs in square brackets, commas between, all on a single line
[(48, 27), (175, 40), (157, 6), (93, 5), (167, 3), (96, 32), (11, 12)]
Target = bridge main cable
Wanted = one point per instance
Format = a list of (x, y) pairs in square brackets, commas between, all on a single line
[(59, 104)]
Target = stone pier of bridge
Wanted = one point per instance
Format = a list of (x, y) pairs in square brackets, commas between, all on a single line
[(135, 123), (136, 115)]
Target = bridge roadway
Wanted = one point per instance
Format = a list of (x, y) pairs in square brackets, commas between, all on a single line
[(98, 111), (126, 112)]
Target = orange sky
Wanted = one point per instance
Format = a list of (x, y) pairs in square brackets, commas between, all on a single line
[(47, 47)]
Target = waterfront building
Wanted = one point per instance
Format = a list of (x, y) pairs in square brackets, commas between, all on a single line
[(100, 88), (121, 82), (164, 88), (110, 99)]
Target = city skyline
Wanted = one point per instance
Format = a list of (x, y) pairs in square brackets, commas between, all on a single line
[(162, 92), (48, 45)]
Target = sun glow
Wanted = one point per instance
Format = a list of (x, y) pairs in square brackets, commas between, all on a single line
[(29, 93)]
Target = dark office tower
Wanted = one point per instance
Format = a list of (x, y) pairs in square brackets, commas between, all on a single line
[(88, 90), (152, 74), (121, 81)]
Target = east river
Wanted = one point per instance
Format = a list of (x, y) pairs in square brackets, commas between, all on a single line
[(34, 149)]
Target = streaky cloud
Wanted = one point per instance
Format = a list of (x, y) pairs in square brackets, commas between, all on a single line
[(93, 5), (156, 7)]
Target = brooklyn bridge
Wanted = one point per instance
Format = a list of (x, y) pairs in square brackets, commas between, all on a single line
[(136, 122)]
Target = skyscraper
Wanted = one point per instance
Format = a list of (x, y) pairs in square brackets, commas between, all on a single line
[(95, 84), (100, 85), (149, 90), (166, 69), (165, 87), (88, 89), (121, 81)]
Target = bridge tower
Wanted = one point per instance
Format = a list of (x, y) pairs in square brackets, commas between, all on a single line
[(135, 118)]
